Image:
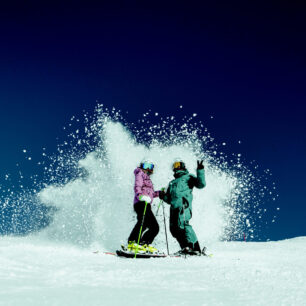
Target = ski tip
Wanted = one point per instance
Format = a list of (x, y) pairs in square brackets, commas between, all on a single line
[(103, 253)]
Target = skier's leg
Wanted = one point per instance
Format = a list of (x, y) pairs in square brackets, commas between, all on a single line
[(152, 225), (191, 237), (178, 234), (196, 246), (139, 209), (176, 228)]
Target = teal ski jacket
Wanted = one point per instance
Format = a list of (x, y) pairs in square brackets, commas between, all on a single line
[(179, 192)]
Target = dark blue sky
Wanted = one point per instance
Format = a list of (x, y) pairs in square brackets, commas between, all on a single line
[(242, 63)]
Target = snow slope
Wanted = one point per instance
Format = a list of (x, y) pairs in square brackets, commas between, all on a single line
[(239, 273)]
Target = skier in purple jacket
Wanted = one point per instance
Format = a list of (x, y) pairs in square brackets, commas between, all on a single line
[(144, 193)]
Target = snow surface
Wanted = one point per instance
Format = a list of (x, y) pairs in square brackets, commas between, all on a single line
[(34, 272)]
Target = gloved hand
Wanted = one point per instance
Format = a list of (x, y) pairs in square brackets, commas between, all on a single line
[(200, 164), (162, 194), (145, 198)]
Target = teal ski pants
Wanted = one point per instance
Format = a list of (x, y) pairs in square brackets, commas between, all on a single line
[(180, 228)]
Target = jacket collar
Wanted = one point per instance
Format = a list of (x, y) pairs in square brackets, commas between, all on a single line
[(180, 173)]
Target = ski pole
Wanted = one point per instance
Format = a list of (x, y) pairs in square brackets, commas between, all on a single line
[(143, 217), (161, 201), (165, 228), (158, 207)]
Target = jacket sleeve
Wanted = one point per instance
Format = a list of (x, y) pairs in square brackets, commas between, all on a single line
[(167, 197), (138, 184), (199, 180)]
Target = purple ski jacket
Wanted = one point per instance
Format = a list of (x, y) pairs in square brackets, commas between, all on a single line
[(143, 186)]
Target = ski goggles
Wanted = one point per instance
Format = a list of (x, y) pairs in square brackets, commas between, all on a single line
[(147, 166), (178, 165)]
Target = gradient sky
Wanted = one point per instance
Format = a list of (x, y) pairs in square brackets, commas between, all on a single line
[(243, 64)]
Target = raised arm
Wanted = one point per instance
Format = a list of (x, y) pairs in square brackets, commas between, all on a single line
[(199, 180)]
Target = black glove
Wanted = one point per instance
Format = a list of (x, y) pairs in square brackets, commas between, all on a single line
[(162, 194), (200, 164)]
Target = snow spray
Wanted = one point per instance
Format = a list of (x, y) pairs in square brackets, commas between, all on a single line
[(89, 190)]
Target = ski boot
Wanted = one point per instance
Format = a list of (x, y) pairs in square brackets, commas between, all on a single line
[(150, 249), (183, 251), (188, 251), (134, 247)]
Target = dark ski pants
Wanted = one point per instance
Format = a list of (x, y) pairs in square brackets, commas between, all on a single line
[(150, 226), (181, 230)]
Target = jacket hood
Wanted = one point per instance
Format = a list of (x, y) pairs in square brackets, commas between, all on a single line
[(137, 170)]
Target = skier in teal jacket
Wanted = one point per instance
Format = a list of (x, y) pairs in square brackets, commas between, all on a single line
[(179, 196)]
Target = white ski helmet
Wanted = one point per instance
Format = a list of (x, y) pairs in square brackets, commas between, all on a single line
[(148, 165)]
